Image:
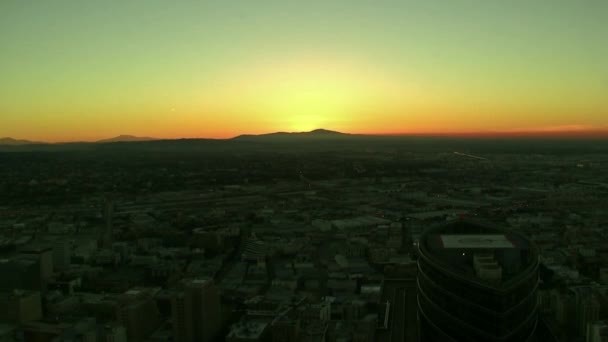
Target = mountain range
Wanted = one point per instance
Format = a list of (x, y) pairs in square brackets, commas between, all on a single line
[(125, 138), (319, 135), (316, 134), (16, 142)]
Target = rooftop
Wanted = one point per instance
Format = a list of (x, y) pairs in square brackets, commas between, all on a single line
[(479, 250), (248, 329), (357, 222), (36, 249)]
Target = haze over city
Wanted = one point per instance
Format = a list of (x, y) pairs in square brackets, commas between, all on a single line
[(303, 171), (74, 70)]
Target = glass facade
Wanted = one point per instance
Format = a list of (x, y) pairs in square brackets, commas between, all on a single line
[(455, 305)]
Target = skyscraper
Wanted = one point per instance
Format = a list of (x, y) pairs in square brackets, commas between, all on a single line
[(20, 306), (61, 255), (196, 311), (477, 282), (20, 272), (44, 255), (138, 313)]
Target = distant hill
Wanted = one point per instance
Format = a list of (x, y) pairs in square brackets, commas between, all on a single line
[(324, 131), (17, 142), (314, 134), (125, 138), (322, 140)]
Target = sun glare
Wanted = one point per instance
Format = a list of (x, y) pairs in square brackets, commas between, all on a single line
[(307, 94), (305, 123), (303, 108), (303, 97)]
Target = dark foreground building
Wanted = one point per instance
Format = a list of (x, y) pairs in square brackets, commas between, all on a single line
[(477, 282)]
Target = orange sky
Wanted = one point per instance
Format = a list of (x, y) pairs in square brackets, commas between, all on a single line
[(93, 70)]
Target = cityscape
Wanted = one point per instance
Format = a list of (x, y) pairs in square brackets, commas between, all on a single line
[(320, 236), (303, 171)]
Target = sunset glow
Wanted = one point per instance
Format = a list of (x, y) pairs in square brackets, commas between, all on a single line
[(86, 70)]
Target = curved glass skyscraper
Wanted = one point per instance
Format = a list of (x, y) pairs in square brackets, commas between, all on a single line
[(477, 282)]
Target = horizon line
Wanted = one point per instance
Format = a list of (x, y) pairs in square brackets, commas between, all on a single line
[(582, 134)]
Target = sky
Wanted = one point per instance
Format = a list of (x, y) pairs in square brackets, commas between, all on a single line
[(88, 69)]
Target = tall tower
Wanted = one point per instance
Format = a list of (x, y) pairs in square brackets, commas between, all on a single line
[(587, 308), (138, 313), (196, 311), (43, 254), (477, 282)]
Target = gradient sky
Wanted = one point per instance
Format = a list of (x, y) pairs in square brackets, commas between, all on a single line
[(91, 69)]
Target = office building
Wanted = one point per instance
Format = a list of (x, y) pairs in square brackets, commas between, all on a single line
[(138, 313), (477, 282), (196, 311), (20, 306), (114, 333), (20, 272), (597, 332), (61, 255), (44, 255)]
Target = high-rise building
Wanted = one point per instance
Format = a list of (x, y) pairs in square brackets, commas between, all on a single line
[(20, 272), (114, 333), (181, 311), (477, 282), (587, 308), (44, 254), (61, 255), (20, 306), (138, 313), (285, 329), (597, 332), (196, 311)]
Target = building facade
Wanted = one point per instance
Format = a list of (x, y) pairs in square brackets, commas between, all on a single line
[(477, 282), (196, 311)]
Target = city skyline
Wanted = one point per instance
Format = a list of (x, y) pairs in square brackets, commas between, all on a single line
[(75, 71), (547, 133), (294, 171)]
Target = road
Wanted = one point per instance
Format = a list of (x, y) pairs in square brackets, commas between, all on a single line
[(470, 156)]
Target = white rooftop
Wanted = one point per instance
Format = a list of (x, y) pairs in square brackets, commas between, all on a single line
[(476, 241)]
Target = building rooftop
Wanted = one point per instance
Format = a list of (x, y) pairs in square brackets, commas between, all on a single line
[(357, 222), (18, 293), (36, 248), (248, 330), (482, 251)]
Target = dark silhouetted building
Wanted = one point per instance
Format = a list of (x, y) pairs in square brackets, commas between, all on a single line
[(477, 282), (20, 272), (44, 255), (20, 306), (138, 313), (196, 311)]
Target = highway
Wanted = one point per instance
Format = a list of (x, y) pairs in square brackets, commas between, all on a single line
[(470, 156)]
